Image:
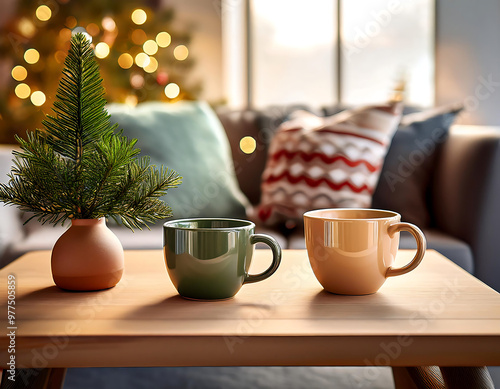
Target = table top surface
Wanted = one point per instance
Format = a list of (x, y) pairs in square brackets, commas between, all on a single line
[(437, 314)]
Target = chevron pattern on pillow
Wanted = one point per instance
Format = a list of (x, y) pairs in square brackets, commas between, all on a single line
[(331, 162)]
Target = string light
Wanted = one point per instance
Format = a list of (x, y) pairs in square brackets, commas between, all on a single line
[(101, 50), (172, 90), (150, 47), (43, 13), (163, 39), (248, 144), (65, 34), (38, 98), (152, 66), (22, 91), (181, 52), (31, 56), (60, 56), (142, 60), (125, 61), (19, 73), (139, 16)]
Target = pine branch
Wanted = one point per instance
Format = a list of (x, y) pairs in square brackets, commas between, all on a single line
[(79, 167)]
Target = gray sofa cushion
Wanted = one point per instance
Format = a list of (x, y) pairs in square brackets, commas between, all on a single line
[(455, 249)]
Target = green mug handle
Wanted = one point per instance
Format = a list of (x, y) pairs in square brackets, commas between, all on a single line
[(276, 249)]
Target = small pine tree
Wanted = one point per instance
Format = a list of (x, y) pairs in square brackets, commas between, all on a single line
[(78, 167)]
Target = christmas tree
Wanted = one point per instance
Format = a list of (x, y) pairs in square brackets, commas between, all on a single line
[(141, 55), (78, 167)]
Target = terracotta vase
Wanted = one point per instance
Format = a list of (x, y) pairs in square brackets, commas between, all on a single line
[(88, 256)]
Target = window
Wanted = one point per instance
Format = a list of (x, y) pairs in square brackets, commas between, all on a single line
[(323, 52)]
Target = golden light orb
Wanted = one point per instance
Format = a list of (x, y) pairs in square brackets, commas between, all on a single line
[(26, 27), (38, 98), (142, 60), (125, 61), (131, 100), (137, 81), (22, 91), (248, 144), (93, 29), (163, 39), (139, 16), (101, 50), (138, 36), (71, 22), (153, 65), (150, 47), (43, 13), (181, 52), (172, 90), (108, 23), (19, 73), (31, 56)]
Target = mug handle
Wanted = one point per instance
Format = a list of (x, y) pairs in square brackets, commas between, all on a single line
[(421, 244), (276, 249)]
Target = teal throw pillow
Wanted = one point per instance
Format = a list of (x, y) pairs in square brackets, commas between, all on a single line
[(189, 138)]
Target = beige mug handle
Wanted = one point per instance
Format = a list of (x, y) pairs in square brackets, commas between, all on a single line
[(421, 245)]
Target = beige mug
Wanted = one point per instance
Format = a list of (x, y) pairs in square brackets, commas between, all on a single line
[(352, 250)]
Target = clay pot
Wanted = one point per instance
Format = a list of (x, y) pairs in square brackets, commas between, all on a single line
[(88, 256)]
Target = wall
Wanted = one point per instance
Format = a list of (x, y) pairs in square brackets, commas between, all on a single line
[(202, 19), (468, 58)]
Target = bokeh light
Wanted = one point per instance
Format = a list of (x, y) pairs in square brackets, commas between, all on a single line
[(142, 60), (152, 66), (138, 36), (181, 52), (31, 56), (139, 16), (150, 47), (163, 39), (248, 144), (43, 13), (26, 27), (108, 23), (136, 81), (125, 61), (22, 91), (38, 98), (19, 73), (131, 100), (101, 50), (71, 22), (172, 90), (93, 29)]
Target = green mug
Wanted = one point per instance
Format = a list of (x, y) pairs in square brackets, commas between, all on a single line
[(208, 259)]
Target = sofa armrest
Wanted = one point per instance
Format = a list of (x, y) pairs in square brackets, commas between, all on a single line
[(466, 195), (11, 227)]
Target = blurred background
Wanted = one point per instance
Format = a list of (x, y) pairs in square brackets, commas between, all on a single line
[(255, 53)]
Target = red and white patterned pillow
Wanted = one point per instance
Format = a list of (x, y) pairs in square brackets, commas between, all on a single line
[(325, 162)]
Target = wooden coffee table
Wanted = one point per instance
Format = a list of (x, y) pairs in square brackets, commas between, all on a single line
[(436, 315)]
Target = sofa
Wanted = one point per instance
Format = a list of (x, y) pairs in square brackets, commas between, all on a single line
[(460, 199)]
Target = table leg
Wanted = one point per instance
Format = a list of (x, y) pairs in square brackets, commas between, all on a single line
[(52, 378)]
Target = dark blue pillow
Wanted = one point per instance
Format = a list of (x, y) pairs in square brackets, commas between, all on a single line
[(404, 184)]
